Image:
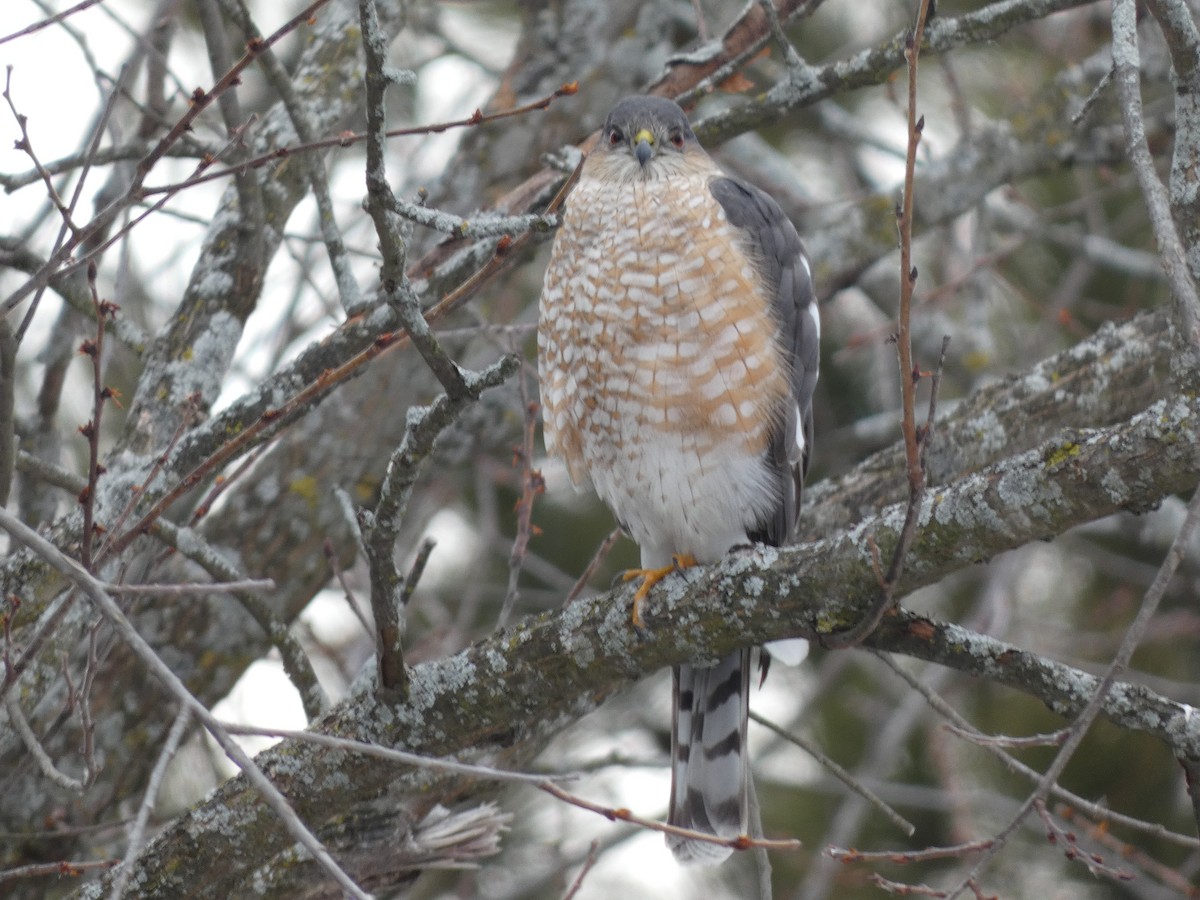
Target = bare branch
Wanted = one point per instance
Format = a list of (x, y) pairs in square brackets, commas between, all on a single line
[(34, 746), (138, 831), (380, 526), (1126, 66), (1096, 703), (815, 588), (399, 756), (96, 593), (839, 773)]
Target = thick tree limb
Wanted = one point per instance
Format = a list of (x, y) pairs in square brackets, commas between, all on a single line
[(1099, 381), (499, 700)]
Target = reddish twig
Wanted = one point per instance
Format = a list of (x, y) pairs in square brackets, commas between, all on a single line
[(65, 258), (592, 855), (1069, 843), (273, 420), (532, 484), (340, 575), (923, 890), (598, 557), (350, 138), (904, 857), (221, 485), (1099, 832), (65, 868), (619, 814), (101, 394), (916, 441)]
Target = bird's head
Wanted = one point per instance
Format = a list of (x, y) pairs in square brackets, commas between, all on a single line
[(645, 135)]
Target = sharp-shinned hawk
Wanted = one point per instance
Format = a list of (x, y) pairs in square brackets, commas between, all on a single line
[(678, 353)]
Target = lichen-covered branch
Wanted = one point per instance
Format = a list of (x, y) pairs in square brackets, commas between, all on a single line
[(1100, 381), (499, 700)]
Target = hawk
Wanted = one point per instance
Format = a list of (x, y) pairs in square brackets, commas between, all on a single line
[(678, 352)]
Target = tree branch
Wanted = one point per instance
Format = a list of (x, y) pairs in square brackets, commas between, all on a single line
[(499, 700)]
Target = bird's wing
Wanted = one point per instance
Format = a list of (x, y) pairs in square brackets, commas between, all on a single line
[(771, 241)]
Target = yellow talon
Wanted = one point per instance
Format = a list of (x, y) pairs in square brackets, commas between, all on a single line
[(651, 577)]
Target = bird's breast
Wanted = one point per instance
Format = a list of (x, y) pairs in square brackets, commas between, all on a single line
[(658, 356)]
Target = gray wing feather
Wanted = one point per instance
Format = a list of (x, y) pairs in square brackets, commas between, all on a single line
[(773, 244)]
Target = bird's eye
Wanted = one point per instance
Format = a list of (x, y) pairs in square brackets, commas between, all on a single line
[(614, 136), (677, 139)]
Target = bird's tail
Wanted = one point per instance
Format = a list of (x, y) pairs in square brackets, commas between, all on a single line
[(709, 780)]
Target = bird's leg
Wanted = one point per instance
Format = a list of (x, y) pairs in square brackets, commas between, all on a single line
[(651, 577)]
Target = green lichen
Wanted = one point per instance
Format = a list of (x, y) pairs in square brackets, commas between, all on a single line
[(306, 488), (829, 622), (1061, 453)]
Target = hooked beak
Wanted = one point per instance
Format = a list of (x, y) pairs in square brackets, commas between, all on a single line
[(643, 146)]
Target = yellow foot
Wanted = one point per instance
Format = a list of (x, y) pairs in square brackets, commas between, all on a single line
[(651, 577)]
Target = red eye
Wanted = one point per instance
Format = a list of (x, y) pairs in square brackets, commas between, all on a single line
[(614, 136), (677, 139)]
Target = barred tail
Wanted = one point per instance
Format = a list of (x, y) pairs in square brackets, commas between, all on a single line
[(708, 766)]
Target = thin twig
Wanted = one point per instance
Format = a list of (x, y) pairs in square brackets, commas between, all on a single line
[(1069, 844), (416, 570), (939, 705), (21, 726), (532, 484), (1100, 833), (618, 814), (957, 851), (592, 855), (8, 388), (83, 579), (381, 525), (94, 350), (187, 590), (908, 272), (87, 725), (64, 867), (1083, 722), (349, 139), (399, 756), (1053, 739), (839, 773), (25, 145), (923, 890), (914, 452), (138, 832), (1172, 253), (597, 559), (49, 20), (327, 548)]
